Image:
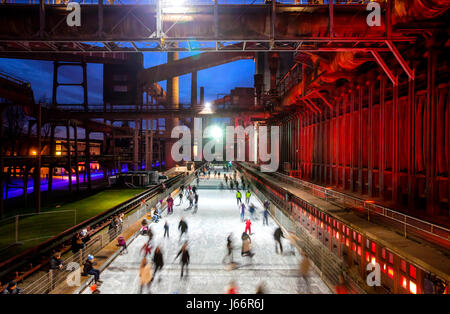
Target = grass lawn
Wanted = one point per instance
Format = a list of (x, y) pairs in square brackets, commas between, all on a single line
[(50, 223)]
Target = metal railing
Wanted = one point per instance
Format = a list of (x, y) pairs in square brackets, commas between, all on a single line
[(54, 278), (371, 209)]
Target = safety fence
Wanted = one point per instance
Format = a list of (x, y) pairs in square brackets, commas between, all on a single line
[(327, 264), (51, 279), (406, 223)]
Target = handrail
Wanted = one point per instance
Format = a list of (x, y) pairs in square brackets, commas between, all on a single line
[(50, 280), (369, 206), (59, 239)]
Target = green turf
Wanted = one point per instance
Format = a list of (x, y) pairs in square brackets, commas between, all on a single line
[(51, 222)]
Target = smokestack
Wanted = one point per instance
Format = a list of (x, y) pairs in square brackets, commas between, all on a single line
[(202, 96)]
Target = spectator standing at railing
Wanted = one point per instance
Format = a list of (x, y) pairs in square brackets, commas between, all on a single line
[(77, 243), (12, 289), (112, 229), (56, 262)]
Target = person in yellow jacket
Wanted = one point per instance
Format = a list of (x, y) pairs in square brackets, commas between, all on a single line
[(238, 197)]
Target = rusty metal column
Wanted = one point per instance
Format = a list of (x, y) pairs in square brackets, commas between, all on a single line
[(395, 157), (194, 89), (371, 141), (352, 160), (381, 137), (173, 102), (360, 140), (411, 145), (431, 133)]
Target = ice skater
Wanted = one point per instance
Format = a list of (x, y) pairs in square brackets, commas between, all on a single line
[(181, 198), (246, 246), (247, 196), (185, 258), (166, 229), (169, 205), (277, 235), (252, 210), (183, 227), (266, 217), (145, 275), (158, 260), (147, 248), (238, 197), (195, 204), (242, 212), (248, 226), (304, 273), (229, 254)]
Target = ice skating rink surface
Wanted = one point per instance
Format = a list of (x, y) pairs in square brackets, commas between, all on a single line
[(217, 216)]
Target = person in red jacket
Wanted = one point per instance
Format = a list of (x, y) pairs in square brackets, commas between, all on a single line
[(248, 224), (232, 288), (170, 204)]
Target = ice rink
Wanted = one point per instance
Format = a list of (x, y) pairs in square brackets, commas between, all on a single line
[(217, 216)]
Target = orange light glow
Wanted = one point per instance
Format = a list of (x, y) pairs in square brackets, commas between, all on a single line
[(369, 202), (337, 235), (374, 261), (58, 153), (390, 272), (404, 282), (412, 287), (33, 152)]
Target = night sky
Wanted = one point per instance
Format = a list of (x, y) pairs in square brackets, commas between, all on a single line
[(217, 80)]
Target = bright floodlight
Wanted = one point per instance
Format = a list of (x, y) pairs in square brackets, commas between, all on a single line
[(208, 105), (174, 6), (216, 132)]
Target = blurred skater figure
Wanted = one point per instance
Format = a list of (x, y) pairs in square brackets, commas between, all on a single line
[(242, 212), (158, 260), (166, 229), (145, 275), (159, 207), (266, 216), (144, 227), (247, 196), (246, 246), (261, 289), (191, 199), (195, 203), (226, 179), (252, 210), (304, 273), (341, 287), (238, 197), (277, 235), (181, 198), (169, 205), (248, 227), (185, 258), (147, 248), (183, 227), (231, 288), (231, 185), (229, 254), (122, 244)]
